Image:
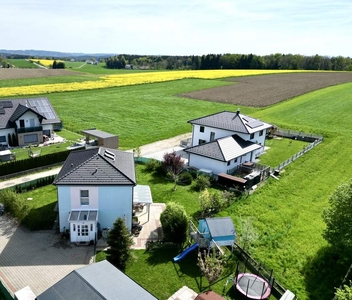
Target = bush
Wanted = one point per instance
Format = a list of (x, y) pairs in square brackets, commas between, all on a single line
[(152, 165), (185, 179), (14, 204), (174, 221), (202, 182)]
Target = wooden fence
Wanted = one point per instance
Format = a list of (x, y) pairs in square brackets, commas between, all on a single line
[(299, 154)]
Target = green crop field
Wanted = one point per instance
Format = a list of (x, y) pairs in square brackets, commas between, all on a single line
[(286, 214), (22, 63)]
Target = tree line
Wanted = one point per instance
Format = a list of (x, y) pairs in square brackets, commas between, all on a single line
[(276, 61)]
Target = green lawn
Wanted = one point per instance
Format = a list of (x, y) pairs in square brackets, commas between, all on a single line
[(137, 114), (42, 214), (280, 149), (22, 63)]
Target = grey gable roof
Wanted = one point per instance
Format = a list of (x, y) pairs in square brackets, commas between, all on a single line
[(232, 121), (21, 110), (10, 106), (224, 149), (98, 281), (97, 166)]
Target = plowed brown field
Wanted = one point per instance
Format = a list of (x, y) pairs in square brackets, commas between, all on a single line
[(265, 90), (31, 73)]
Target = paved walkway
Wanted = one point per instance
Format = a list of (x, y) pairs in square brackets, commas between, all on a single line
[(37, 259)]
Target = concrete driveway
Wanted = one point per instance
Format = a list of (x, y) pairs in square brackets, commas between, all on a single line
[(36, 259)]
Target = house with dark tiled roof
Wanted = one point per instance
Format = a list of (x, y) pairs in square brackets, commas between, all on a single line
[(223, 140), (94, 282), (26, 120), (95, 187)]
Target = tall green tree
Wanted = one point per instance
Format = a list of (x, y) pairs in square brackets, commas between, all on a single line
[(120, 242), (338, 217)]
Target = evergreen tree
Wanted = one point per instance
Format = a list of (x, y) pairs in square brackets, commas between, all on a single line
[(120, 242)]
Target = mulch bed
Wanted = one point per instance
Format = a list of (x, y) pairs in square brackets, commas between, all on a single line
[(265, 90), (6, 73)]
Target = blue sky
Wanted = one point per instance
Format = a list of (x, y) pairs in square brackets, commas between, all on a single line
[(178, 27)]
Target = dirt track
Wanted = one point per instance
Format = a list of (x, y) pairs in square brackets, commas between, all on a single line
[(265, 90), (32, 73)]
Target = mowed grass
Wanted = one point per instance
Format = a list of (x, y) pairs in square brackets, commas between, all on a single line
[(137, 114), (279, 150), (22, 63)]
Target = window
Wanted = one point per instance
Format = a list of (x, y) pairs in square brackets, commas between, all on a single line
[(235, 160), (212, 136), (84, 230), (31, 122), (261, 133), (31, 138), (201, 142), (74, 227), (91, 227), (201, 129), (229, 162), (84, 197), (2, 139), (21, 123), (252, 136)]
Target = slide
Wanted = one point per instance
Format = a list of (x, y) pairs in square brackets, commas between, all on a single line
[(185, 252)]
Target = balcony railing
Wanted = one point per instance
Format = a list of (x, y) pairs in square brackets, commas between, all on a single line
[(29, 129)]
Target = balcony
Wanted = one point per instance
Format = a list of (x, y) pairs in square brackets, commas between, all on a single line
[(29, 129)]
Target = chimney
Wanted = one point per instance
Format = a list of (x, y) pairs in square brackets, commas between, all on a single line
[(238, 111)]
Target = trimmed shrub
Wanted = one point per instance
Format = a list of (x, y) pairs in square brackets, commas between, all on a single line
[(152, 165), (174, 221), (202, 182), (185, 179)]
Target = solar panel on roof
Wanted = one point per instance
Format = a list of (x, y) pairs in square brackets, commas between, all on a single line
[(6, 104), (255, 124)]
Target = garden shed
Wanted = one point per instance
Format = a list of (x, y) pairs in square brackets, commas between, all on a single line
[(103, 139), (214, 232)]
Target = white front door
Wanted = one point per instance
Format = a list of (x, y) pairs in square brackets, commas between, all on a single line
[(83, 232)]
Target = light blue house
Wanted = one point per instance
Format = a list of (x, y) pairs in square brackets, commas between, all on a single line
[(95, 186)]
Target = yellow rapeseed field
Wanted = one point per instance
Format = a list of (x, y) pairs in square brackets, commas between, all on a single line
[(129, 79), (45, 62)]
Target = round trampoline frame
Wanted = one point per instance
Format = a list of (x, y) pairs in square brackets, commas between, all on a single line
[(266, 290)]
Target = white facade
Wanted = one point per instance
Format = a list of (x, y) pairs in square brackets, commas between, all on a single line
[(216, 166), (28, 119), (4, 133)]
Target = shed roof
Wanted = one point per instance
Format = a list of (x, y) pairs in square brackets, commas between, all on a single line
[(97, 166), (221, 226), (233, 121), (224, 149), (97, 133), (98, 281)]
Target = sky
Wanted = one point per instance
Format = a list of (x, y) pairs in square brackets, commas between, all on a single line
[(178, 27)]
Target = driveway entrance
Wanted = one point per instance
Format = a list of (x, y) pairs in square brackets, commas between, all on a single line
[(37, 259)]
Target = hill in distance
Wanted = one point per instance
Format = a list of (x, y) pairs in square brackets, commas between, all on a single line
[(44, 53)]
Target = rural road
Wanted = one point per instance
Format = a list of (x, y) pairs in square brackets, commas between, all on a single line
[(153, 150)]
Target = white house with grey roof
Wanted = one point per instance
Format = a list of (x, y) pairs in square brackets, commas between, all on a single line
[(26, 119), (223, 140), (95, 186)]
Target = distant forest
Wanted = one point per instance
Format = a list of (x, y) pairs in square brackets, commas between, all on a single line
[(231, 61)]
